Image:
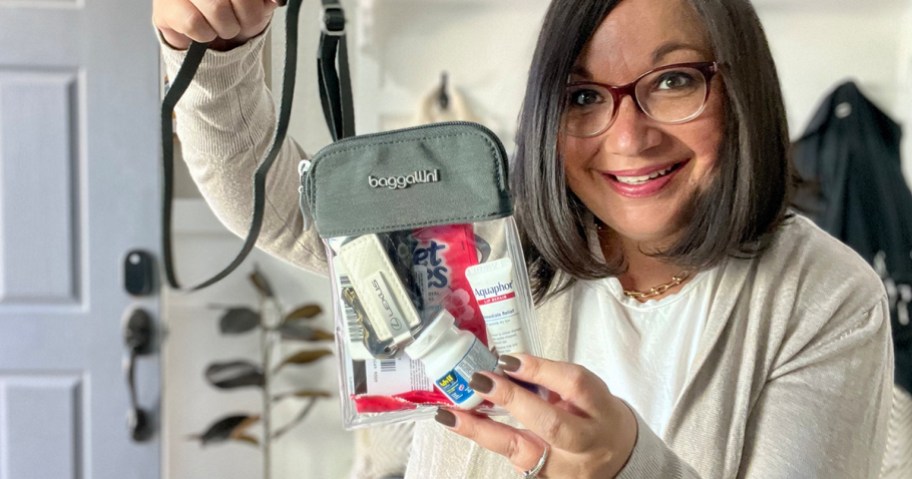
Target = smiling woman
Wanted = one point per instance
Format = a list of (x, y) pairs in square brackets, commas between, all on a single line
[(701, 160), (691, 326)]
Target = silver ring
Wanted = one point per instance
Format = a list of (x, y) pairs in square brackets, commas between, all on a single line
[(533, 473)]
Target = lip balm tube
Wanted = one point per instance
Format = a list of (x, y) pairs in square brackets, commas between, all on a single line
[(492, 285)]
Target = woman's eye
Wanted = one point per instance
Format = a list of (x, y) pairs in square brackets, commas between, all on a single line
[(584, 97), (674, 80)]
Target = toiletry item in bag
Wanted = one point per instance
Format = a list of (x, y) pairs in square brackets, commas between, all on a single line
[(451, 356), (492, 287), (389, 312), (440, 258)]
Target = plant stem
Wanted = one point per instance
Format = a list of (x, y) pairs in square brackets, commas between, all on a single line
[(294, 422), (267, 311)]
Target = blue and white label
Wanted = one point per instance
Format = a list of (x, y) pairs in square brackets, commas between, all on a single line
[(455, 384)]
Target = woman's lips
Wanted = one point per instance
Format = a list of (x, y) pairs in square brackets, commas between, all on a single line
[(642, 182)]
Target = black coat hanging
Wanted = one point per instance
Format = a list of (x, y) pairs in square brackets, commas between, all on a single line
[(853, 187)]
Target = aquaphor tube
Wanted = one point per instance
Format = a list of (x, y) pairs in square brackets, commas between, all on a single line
[(492, 285)]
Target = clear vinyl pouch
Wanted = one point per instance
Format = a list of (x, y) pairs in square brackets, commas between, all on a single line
[(428, 277)]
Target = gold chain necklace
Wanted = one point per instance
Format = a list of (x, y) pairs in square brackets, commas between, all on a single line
[(658, 290)]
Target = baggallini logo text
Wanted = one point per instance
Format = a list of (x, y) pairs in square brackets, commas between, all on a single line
[(404, 181)]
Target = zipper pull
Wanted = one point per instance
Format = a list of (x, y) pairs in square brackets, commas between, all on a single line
[(303, 202), (303, 167)]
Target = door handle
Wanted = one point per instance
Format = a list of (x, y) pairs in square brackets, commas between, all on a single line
[(138, 332)]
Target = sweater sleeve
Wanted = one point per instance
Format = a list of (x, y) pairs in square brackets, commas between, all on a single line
[(652, 458), (225, 122), (825, 411), (822, 413)]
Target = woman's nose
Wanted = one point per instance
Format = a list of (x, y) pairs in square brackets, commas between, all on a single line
[(632, 132)]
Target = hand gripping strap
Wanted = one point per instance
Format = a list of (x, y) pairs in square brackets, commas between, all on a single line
[(342, 102)]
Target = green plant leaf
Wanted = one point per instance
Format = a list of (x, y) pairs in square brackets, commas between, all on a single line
[(304, 357), (228, 427), (300, 331), (248, 439), (322, 335), (239, 431), (307, 311), (301, 394), (260, 283), (234, 374), (239, 320)]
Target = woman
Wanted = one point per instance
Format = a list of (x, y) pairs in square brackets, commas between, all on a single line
[(692, 328)]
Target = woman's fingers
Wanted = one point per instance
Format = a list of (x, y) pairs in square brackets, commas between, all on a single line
[(590, 432), (556, 426), (180, 22), (183, 21), (253, 15), (520, 447), (220, 16), (572, 382)]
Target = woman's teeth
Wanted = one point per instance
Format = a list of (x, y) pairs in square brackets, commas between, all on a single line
[(639, 180)]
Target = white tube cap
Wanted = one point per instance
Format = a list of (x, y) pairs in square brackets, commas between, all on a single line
[(427, 339)]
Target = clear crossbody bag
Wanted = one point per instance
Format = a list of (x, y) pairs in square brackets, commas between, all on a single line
[(429, 281), (428, 278)]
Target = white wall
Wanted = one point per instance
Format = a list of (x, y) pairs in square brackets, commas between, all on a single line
[(818, 46), (307, 124), (484, 46), (905, 87), (319, 447), (815, 50), (400, 49)]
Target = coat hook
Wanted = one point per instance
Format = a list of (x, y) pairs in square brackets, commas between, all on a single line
[(443, 99)]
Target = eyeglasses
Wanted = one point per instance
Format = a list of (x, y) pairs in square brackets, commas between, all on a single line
[(671, 94)]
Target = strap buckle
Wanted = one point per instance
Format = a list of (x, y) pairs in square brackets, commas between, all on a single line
[(333, 20)]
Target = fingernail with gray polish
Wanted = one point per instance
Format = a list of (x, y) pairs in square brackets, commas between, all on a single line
[(509, 363), (445, 417), (481, 383)]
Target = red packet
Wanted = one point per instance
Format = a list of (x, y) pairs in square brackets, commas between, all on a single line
[(440, 257)]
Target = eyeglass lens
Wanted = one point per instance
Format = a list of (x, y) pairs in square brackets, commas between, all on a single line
[(673, 95)]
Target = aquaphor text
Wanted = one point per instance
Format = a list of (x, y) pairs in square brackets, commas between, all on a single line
[(497, 289)]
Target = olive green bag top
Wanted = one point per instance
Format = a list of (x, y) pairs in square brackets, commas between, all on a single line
[(443, 173)]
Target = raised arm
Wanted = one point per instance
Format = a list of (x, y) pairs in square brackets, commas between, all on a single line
[(225, 122)]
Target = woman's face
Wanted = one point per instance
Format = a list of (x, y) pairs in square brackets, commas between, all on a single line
[(608, 172)]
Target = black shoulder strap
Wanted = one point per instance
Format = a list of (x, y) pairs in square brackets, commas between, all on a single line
[(335, 81), (332, 43)]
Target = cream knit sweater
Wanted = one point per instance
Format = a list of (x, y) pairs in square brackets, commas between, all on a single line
[(794, 371)]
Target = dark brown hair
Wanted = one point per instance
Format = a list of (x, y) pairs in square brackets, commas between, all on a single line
[(736, 214)]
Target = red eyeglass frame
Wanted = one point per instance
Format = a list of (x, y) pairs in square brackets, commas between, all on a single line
[(708, 69)]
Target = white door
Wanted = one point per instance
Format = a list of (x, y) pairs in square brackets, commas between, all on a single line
[(78, 190)]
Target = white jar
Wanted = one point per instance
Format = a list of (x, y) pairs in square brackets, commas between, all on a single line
[(450, 357)]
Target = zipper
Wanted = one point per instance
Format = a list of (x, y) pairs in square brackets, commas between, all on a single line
[(352, 139), (306, 166), (429, 126)]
